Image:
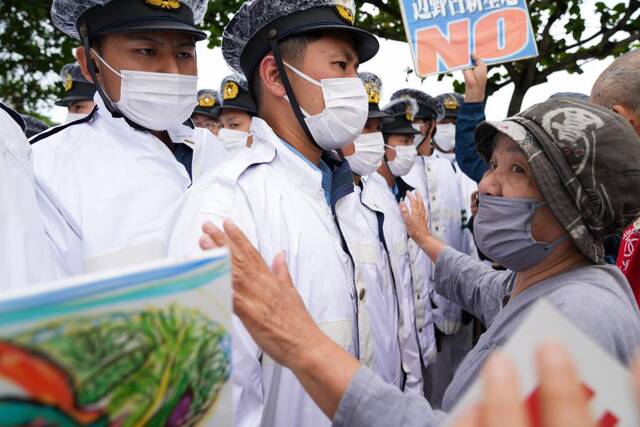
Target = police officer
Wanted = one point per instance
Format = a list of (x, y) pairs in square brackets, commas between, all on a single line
[(78, 93), (437, 179), (207, 113), (300, 58), (25, 255), (445, 139), (119, 171), (236, 112), (361, 221), (445, 146)]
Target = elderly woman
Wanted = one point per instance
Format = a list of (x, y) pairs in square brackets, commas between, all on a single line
[(563, 175)]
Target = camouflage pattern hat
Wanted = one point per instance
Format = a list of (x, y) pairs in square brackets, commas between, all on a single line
[(586, 162)]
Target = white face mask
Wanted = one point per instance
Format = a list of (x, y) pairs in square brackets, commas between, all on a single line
[(233, 140), (369, 154), (155, 101), (404, 161), (72, 117), (345, 114), (446, 137)]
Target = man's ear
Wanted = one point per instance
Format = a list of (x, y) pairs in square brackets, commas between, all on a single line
[(270, 77), (630, 115), (83, 57)]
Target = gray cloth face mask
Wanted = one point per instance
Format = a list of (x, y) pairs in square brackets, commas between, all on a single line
[(502, 230)]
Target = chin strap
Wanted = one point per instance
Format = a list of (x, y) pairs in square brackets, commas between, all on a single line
[(275, 47), (84, 37)]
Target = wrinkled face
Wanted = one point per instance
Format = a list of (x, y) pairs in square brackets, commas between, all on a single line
[(331, 56), (396, 141), (81, 107), (153, 51), (510, 176), (206, 122), (372, 126), (235, 120)]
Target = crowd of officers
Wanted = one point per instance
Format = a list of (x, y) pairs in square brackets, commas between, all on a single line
[(296, 148)]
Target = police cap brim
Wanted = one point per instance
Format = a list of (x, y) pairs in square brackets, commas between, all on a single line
[(311, 20)]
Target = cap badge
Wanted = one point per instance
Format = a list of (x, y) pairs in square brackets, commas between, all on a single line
[(207, 101), (231, 91), (451, 104), (347, 11), (164, 4), (68, 83), (373, 92), (409, 114)]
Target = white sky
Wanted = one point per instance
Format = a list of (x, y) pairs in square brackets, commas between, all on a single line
[(395, 57)]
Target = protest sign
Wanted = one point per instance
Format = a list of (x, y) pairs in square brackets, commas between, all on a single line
[(148, 346), (444, 33), (607, 383)]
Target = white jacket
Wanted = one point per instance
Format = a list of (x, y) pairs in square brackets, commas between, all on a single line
[(277, 199), (26, 257), (422, 270), (435, 177), (378, 305), (118, 184), (378, 196)]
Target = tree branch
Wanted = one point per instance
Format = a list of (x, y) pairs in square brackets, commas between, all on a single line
[(593, 52)]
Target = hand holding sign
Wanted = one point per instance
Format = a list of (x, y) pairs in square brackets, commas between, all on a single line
[(475, 80)]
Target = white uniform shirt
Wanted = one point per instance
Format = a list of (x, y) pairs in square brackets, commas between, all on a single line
[(378, 196), (443, 194), (422, 269), (378, 306), (277, 199), (118, 184), (26, 257)]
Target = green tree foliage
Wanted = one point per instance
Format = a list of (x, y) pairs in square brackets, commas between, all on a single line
[(30, 47), (32, 52)]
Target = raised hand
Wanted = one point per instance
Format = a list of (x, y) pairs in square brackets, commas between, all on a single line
[(264, 299), (475, 80), (415, 217)]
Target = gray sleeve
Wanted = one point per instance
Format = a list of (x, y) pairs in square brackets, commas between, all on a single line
[(370, 402), (471, 284)]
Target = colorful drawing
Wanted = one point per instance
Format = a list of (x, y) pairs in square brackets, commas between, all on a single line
[(135, 362)]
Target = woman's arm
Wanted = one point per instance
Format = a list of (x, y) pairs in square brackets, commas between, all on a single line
[(467, 282)]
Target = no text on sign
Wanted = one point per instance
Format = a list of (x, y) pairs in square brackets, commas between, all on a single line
[(444, 33)]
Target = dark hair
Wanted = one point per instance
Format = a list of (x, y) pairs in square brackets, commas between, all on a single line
[(293, 50)]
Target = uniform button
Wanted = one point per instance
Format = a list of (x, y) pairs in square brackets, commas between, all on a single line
[(420, 330), (433, 198), (418, 296), (437, 228), (362, 294)]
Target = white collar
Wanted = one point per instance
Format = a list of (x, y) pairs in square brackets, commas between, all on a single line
[(180, 134)]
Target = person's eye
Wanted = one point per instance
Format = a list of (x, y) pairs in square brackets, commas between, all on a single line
[(147, 51), (493, 165), (517, 169), (185, 55), (342, 65)]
